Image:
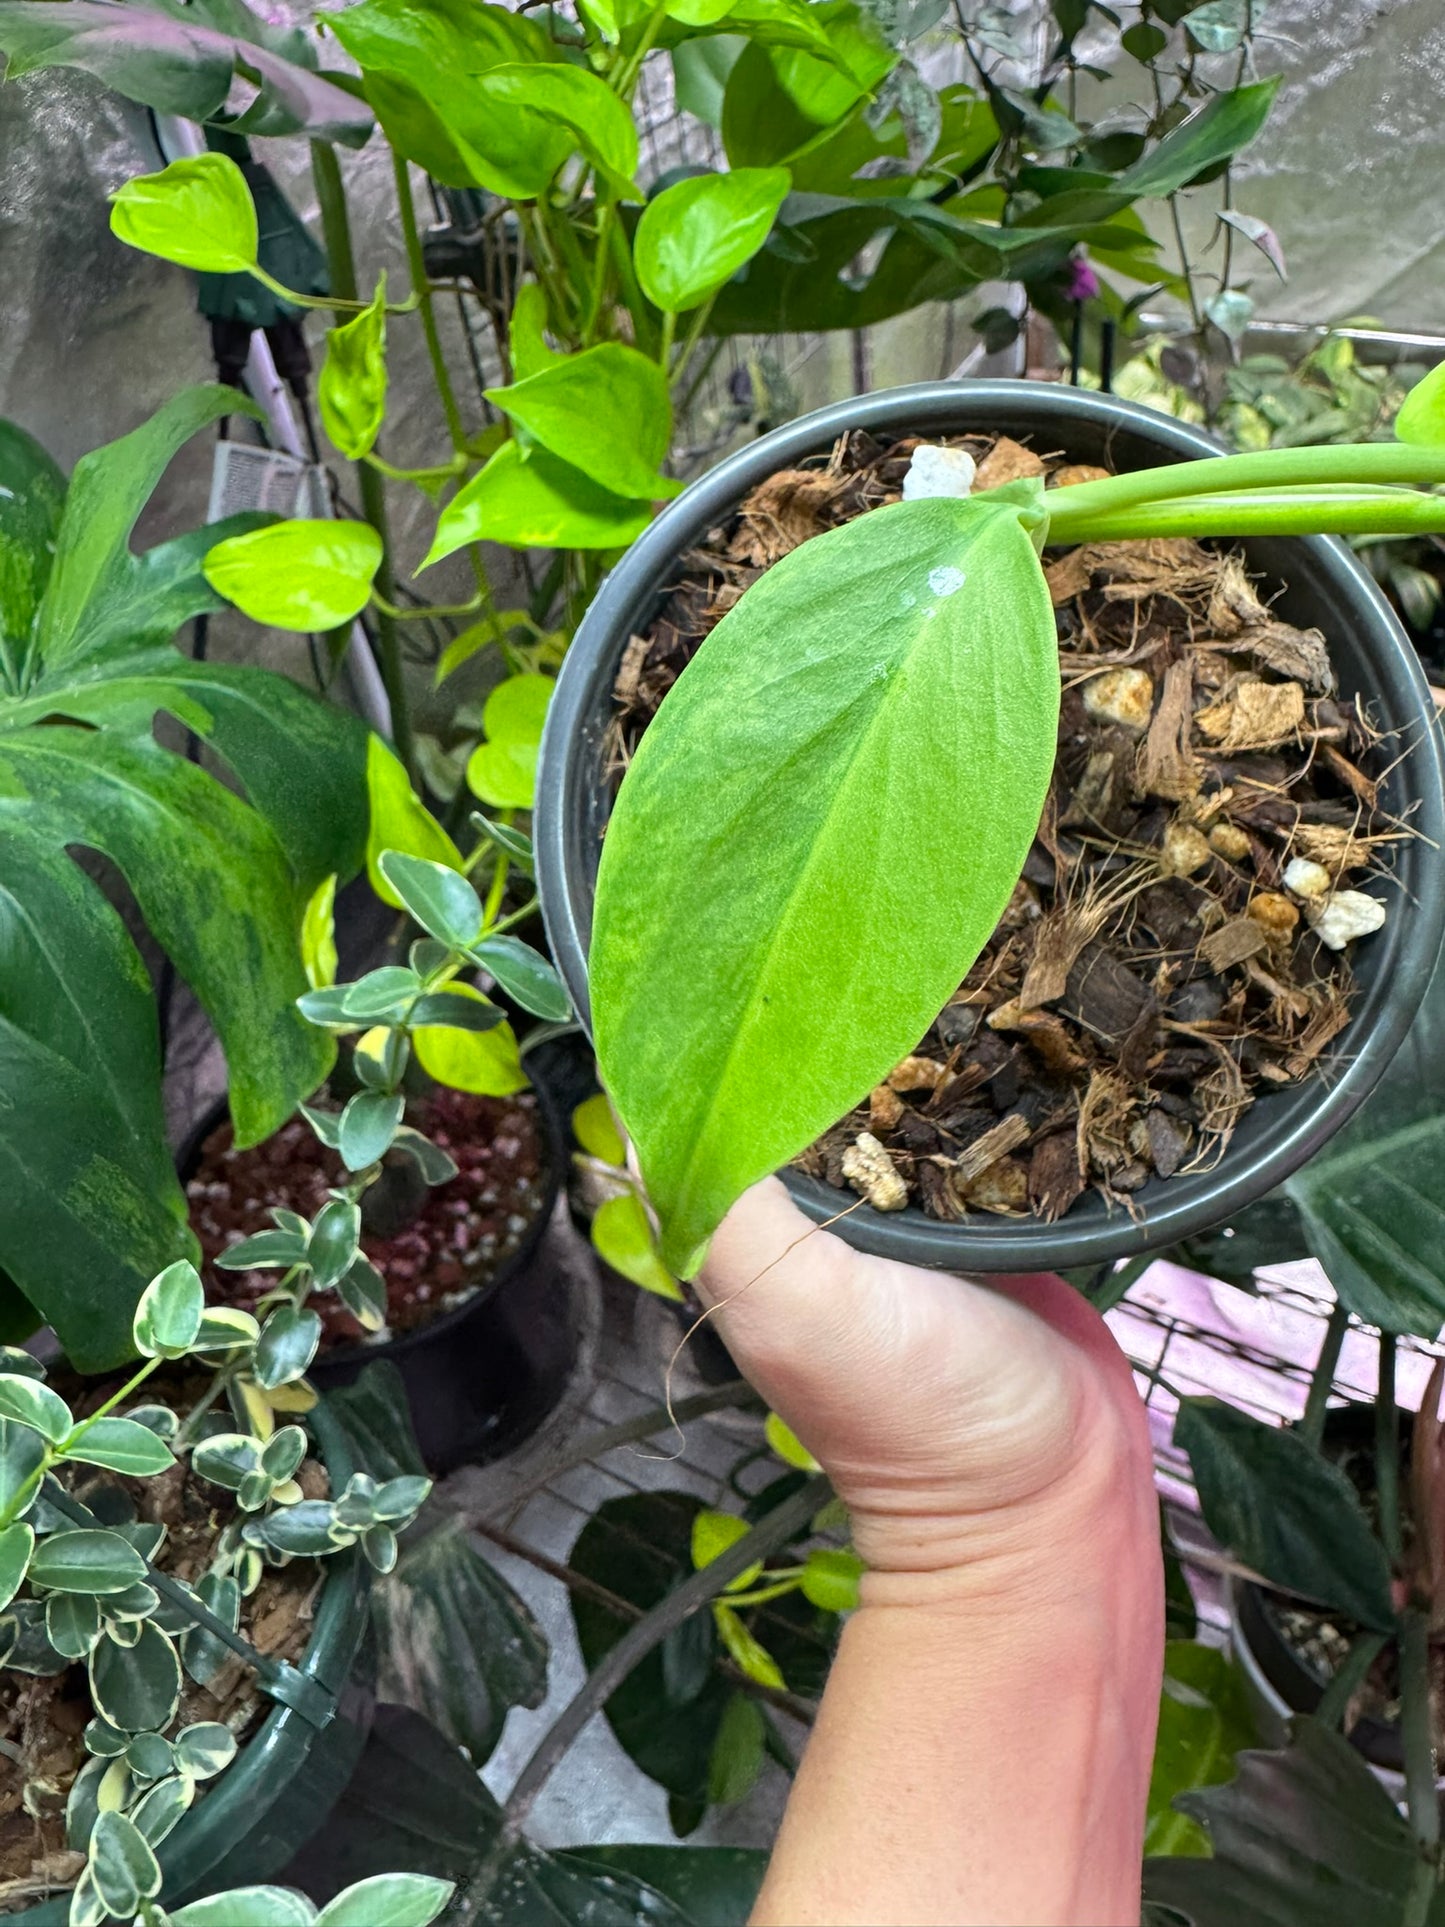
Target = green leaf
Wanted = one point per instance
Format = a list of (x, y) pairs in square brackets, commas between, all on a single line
[(73, 1624), (22, 1453), (527, 338), (225, 1329), (525, 975), (351, 388), (30, 511), (712, 1535), (246, 1907), (287, 1345), (830, 1580), (738, 1751), (605, 411), (363, 1292), (169, 1313), (436, 1166), (596, 118), (515, 844), (711, 1886), (86, 1560), (283, 1452), (184, 63), (197, 212), (503, 770), (263, 1251), (745, 1651), (160, 1809), (535, 502), (308, 1528), (739, 1011), (788, 1446), (334, 1238), (1204, 1721), (124, 1869), (457, 1007), (438, 896), (28, 1402), (1422, 413), (697, 233), (464, 1059), (594, 1126), (388, 1900), (399, 822), (1285, 1511), (381, 996), (1306, 1835), (309, 576), (226, 1459), (205, 1749), (622, 1237), (122, 1446), (104, 1739), (318, 935), (368, 1124), (17, 1542), (150, 1756)]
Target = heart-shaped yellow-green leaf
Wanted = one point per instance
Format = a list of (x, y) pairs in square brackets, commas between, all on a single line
[(306, 575), (197, 212)]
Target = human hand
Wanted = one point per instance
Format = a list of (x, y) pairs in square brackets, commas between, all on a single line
[(961, 1422)]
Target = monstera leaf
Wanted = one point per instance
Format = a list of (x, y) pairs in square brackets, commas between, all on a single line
[(89, 1205), (182, 58)]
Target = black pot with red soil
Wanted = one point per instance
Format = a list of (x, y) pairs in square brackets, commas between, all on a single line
[(479, 1320)]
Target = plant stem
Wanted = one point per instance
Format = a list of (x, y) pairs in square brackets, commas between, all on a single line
[(1323, 510), (421, 288), (1416, 1734), (783, 1523), (1387, 1450), (664, 352), (1347, 1681), (598, 292), (1105, 1295), (643, 333), (1264, 468), (341, 260), (1312, 1424)]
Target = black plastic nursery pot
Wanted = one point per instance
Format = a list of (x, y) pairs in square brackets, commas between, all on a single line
[(1321, 585), (483, 1376), (288, 1776), (1280, 1681)]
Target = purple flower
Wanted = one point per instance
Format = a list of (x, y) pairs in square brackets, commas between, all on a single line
[(1083, 283)]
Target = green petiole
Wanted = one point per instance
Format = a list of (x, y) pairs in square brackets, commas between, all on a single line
[(1327, 509)]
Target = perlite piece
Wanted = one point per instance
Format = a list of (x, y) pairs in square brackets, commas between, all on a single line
[(872, 1173), (938, 471), (1346, 915)]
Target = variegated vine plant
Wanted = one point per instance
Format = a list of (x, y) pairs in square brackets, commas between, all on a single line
[(827, 817), (78, 1580)]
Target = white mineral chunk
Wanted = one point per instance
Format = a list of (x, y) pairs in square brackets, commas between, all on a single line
[(872, 1173), (938, 471), (1302, 878), (1346, 915)]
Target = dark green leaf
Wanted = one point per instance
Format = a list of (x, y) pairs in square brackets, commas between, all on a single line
[(27, 1401), (326, 1124), (456, 1643), (124, 1869), (331, 1251), (86, 1560), (375, 1420), (150, 1756), (738, 1013), (381, 996), (441, 900), (455, 1012), (122, 1446), (136, 1688), (180, 66), (283, 1452), (307, 1528), (22, 1453), (436, 1165), (169, 1313), (368, 1124), (363, 1292), (1285, 1511), (286, 1346), (265, 1251), (515, 844), (159, 1810), (712, 1886), (72, 1623), (524, 974), (1306, 1837), (17, 1543), (24, 1647), (226, 1459), (205, 1749)]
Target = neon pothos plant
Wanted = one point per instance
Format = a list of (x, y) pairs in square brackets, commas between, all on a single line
[(89, 1203), (824, 822)]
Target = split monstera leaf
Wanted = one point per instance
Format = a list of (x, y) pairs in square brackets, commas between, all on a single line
[(824, 822)]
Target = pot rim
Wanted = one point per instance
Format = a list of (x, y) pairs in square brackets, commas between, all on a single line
[(1085, 1236)]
